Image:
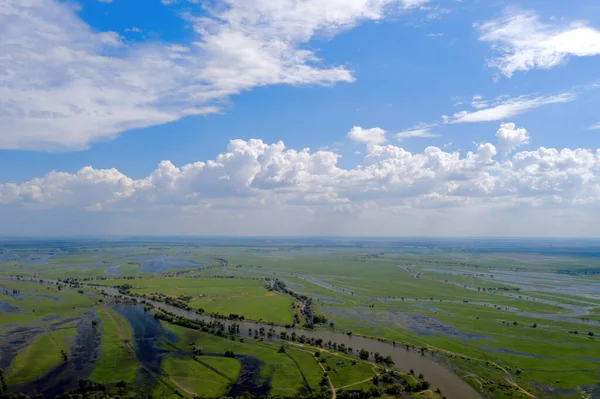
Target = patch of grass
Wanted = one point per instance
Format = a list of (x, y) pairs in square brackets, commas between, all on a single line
[(40, 357), (345, 371), (117, 361), (245, 297), (286, 371), (37, 301), (196, 379)]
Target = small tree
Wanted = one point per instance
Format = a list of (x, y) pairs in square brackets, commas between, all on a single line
[(363, 354)]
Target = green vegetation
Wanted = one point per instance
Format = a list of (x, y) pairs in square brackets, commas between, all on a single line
[(245, 297), (194, 378), (509, 323), (117, 360), (45, 353), (346, 371)]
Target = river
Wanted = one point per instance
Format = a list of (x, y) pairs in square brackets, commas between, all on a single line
[(440, 376)]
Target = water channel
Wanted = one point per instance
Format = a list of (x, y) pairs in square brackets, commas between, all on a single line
[(439, 376), (451, 385)]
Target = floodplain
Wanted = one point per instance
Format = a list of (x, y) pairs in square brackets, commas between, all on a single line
[(301, 318)]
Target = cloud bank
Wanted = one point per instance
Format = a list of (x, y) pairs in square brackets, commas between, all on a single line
[(255, 178)]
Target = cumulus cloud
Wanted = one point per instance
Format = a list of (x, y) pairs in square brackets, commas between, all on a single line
[(259, 188), (374, 135), (486, 111), (509, 137), (64, 86), (524, 42), (254, 172)]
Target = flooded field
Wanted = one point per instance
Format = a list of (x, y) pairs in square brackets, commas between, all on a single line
[(405, 359), (83, 355), (476, 324)]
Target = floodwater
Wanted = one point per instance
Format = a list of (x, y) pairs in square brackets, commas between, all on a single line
[(163, 263), (113, 271), (6, 307), (576, 311), (148, 333), (437, 374), (82, 358)]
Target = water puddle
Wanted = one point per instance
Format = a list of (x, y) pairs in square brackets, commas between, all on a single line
[(113, 271), (6, 307)]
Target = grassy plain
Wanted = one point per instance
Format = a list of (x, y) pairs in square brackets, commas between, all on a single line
[(117, 360), (528, 315), (40, 357), (247, 297), (284, 370), (197, 379)]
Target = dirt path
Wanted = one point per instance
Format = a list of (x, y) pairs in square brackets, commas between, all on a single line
[(192, 394), (507, 376), (331, 386), (354, 383), (333, 392)]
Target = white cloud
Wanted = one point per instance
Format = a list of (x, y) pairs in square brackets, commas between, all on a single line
[(109, 38), (255, 171), (506, 108), (134, 29), (64, 86), (374, 135), (524, 42), (479, 103), (595, 127), (419, 131), (259, 188), (509, 137)]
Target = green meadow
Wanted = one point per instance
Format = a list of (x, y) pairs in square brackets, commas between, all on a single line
[(245, 297), (508, 323)]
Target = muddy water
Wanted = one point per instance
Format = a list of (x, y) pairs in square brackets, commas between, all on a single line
[(437, 374)]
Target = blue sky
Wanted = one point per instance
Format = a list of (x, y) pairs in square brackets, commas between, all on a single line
[(119, 86)]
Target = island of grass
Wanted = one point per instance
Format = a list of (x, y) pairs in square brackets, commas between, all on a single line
[(240, 296), (45, 353), (117, 360)]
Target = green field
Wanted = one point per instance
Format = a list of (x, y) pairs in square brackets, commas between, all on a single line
[(40, 357), (503, 321), (196, 379), (224, 296), (117, 360)]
